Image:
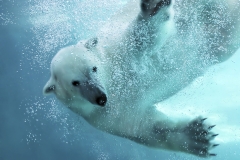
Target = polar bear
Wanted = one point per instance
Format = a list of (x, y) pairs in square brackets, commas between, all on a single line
[(144, 56)]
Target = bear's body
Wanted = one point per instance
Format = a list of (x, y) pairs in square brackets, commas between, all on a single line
[(113, 81)]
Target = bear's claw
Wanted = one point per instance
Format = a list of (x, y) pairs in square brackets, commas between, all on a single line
[(210, 127), (214, 135), (215, 145)]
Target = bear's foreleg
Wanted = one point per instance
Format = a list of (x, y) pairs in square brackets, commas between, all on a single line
[(151, 28)]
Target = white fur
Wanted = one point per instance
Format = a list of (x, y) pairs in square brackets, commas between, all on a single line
[(140, 61)]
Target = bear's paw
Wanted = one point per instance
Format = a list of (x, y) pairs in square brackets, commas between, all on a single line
[(199, 137)]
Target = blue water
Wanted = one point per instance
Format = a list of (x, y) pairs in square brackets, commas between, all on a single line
[(36, 127)]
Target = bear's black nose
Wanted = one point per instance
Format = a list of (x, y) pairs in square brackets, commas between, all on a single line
[(102, 100)]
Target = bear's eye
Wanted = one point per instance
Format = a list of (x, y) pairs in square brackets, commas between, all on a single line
[(94, 69), (75, 83)]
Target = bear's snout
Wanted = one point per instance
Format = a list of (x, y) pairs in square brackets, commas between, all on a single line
[(102, 100)]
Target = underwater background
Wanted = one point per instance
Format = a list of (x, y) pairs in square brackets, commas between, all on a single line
[(41, 128)]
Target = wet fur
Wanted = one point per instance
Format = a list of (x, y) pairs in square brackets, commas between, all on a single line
[(135, 70)]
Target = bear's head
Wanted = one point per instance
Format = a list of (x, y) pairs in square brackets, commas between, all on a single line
[(76, 78)]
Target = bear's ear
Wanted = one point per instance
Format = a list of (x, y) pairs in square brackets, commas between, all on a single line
[(49, 88), (91, 43)]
